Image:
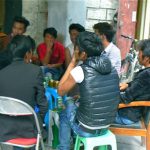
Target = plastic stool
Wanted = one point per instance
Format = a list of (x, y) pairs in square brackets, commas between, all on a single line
[(101, 141)]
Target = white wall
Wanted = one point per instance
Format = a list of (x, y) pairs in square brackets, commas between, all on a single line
[(61, 13), (36, 12)]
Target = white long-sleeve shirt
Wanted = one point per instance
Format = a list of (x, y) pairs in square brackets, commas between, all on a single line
[(113, 53)]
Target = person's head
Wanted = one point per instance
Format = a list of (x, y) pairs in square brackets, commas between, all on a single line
[(105, 31), (144, 52), (19, 26), (88, 44), (50, 34), (21, 47), (74, 30)]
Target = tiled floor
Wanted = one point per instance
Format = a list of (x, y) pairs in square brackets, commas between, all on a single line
[(123, 143)]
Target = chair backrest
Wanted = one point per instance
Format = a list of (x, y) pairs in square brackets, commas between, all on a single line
[(14, 107), (142, 128), (52, 96)]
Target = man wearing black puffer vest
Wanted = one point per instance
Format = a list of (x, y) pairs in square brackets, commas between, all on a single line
[(99, 91)]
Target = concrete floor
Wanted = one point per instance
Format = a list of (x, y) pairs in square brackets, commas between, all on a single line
[(123, 143), (129, 143)]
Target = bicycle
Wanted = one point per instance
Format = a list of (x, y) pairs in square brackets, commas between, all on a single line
[(130, 65)]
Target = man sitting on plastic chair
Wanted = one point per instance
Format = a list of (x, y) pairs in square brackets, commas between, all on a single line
[(99, 91)]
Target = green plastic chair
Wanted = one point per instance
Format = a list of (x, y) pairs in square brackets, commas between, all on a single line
[(101, 141), (55, 141)]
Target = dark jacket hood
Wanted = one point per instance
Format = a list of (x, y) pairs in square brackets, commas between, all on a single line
[(101, 64)]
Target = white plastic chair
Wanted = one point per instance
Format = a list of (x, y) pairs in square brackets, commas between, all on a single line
[(100, 141), (7, 105)]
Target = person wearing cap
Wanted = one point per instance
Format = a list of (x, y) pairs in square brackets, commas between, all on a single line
[(98, 87)]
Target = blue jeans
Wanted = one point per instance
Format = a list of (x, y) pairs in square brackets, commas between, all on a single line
[(56, 73), (122, 120), (17, 148), (68, 122)]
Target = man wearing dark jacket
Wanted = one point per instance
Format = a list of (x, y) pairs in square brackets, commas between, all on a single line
[(138, 89), (23, 81), (99, 91)]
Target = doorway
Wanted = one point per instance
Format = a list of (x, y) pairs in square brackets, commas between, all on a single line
[(2, 11)]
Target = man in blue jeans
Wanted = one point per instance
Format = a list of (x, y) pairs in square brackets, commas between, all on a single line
[(99, 91)]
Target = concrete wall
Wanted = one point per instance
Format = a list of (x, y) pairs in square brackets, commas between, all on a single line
[(61, 13), (100, 10), (57, 15), (76, 14), (36, 12)]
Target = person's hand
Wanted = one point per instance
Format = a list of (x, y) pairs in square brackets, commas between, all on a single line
[(49, 44), (49, 65), (75, 57), (123, 86)]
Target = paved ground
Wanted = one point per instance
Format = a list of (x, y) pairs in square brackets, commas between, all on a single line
[(123, 143), (129, 143)]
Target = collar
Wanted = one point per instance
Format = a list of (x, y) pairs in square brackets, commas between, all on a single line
[(144, 69), (108, 48)]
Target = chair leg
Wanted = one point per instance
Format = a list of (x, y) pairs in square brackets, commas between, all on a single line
[(148, 141), (114, 144), (37, 143), (143, 141), (77, 144), (88, 147), (102, 147), (42, 144)]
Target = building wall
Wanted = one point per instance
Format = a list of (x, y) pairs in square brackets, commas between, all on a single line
[(61, 13), (2, 12), (36, 12), (100, 11)]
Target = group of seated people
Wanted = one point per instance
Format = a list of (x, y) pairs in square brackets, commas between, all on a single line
[(92, 62)]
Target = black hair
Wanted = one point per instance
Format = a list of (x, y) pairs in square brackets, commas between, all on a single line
[(106, 29), (5, 58), (52, 31), (144, 46), (76, 26), (22, 20), (19, 45), (90, 43), (32, 42)]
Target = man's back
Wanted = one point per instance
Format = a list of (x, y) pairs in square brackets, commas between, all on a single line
[(99, 92), (19, 80), (22, 81)]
